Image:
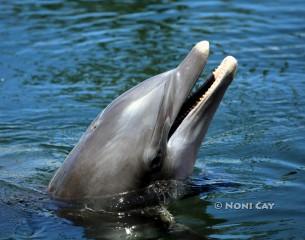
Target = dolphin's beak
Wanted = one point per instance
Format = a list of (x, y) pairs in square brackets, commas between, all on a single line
[(212, 90), (192, 121)]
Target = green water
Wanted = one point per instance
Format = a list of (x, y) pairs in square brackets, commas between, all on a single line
[(62, 62)]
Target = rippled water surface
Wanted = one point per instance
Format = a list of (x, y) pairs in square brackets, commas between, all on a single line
[(62, 62)]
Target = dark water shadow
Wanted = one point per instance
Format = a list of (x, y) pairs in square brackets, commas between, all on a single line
[(152, 218)]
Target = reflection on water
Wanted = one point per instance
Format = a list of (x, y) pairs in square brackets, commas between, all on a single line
[(62, 62)]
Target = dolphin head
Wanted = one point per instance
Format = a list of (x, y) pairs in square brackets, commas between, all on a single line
[(153, 131)]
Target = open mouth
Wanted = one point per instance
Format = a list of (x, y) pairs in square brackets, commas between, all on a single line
[(221, 77)]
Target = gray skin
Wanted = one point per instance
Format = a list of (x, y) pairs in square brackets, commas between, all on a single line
[(128, 146)]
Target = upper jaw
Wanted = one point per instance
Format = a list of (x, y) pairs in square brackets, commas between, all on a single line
[(180, 81), (185, 76)]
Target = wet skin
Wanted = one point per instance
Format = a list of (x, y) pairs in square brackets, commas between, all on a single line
[(151, 132)]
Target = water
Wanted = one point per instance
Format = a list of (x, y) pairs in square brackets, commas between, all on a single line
[(62, 62)]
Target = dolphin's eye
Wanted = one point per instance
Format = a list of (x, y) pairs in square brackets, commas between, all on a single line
[(155, 164)]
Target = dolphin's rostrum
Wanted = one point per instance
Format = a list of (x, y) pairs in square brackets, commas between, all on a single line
[(151, 132)]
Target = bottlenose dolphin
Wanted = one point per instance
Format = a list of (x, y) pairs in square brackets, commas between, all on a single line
[(151, 132)]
